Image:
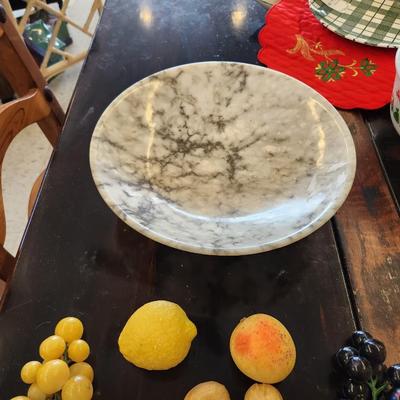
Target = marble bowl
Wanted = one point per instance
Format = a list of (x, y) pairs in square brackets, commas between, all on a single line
[(222, 158)]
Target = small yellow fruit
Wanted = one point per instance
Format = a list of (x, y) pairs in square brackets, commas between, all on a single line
[(34, 393), (208, 391), (70, 329), (157, 336), (77, 388), (82, 368), (52, 376), (78, 350), (263, 349), (262, 391), (20, 398), (51, 348), (29, 371)]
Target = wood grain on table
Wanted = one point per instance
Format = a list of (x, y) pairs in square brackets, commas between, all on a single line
[(369, 230)]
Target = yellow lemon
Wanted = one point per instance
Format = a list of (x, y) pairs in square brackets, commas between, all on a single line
[(157, 336)]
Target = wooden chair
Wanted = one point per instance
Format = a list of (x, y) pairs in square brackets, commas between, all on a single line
[(34, 103), (69, 59)]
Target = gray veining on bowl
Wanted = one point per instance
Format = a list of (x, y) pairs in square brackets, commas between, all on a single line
[(222, 158)]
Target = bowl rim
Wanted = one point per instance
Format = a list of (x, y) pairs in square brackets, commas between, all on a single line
[(323, 217)]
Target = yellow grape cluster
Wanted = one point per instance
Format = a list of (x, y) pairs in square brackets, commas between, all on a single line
[(63, 373)]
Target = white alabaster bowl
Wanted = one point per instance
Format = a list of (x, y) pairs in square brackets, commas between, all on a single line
[(222, 158)]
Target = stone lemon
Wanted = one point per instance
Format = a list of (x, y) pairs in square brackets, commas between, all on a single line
[(157, 336)]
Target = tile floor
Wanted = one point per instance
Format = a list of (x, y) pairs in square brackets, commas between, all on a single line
[(29, 153)]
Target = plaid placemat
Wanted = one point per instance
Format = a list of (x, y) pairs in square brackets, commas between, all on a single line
[(373, 22)]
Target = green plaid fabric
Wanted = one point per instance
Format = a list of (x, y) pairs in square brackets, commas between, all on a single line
[(267, 3), (373, 22)]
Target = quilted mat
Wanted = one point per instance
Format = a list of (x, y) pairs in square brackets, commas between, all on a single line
[(350, 75)]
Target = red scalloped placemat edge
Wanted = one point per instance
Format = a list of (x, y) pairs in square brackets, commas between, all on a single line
[(294, 42)]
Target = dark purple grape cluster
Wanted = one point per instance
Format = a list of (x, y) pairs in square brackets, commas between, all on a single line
[(366, 376)]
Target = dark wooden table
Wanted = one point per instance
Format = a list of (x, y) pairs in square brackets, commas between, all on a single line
[(79, 259)]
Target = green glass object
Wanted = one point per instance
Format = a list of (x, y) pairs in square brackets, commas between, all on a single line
[(37, 35), (50, 21)]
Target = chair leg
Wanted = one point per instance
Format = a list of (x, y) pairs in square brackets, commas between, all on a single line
[(7, 266), (3, 292), (34, 192), (6, 92)]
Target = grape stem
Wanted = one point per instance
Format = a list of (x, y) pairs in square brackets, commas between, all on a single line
[(65, 357), (376, 391)]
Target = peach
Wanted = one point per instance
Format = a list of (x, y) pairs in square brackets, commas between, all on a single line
[(262, 391), (263, 349), (208, 391)]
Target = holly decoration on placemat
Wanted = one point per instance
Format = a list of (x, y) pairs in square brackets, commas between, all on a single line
[(348, 74), (330, 69)]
